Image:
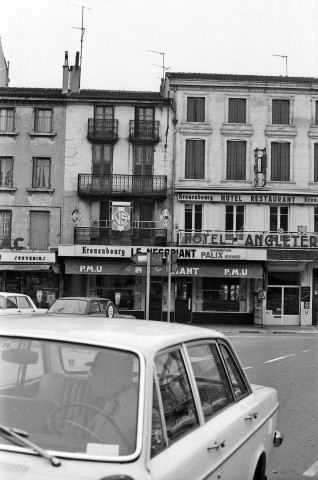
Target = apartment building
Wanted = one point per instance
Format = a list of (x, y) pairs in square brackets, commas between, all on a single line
[(117, 193), (32, 146), (245, 213)]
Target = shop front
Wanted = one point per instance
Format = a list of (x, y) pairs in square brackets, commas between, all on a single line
[(33, 273)]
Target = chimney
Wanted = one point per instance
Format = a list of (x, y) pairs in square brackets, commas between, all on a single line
[(65, 74), (75, 76)]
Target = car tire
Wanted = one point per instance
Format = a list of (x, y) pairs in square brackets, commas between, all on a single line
[(260, 472), (110, 311)]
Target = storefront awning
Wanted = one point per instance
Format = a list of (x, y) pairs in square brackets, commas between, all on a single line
[(95, 266)]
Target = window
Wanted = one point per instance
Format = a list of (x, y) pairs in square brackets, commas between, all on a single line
[(280, 112), (278, 219), (43, 120), (193, 217), (239, 386), (316, 219), (143, 159), (6, 119), (195, 109), (280, 162), (6, 171), (41, 177), (195, 159), (144, 122), (176, 396), (316, 113), (213, 386), (5, 228), (102, 159), (236, 160), (104, 112), (237, 110), (234, 218), (316, 162)]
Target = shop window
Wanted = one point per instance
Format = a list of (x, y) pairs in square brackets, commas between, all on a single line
[(236, 160), (222, 294), (278, 219)]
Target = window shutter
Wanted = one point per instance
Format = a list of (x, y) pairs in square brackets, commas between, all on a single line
[(195, 158), (316, 113), (236, 160), (285, 168), (39, 230), (316, 162)]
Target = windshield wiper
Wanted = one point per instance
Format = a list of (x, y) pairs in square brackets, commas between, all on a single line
[(21, 437)]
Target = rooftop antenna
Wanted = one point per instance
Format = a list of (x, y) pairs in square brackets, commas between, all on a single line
[(163, 62), (82, 29), (286, 58)]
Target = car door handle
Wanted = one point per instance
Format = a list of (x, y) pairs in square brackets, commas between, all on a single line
[(217, 445), (250, 416)]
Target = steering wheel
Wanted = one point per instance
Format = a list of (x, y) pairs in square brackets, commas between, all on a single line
[(64, 426)]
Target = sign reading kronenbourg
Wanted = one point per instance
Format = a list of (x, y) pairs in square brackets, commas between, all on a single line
[(121, 216)]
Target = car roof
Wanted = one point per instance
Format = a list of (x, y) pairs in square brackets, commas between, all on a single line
[(143, 335), (7, 294), (82, 298)]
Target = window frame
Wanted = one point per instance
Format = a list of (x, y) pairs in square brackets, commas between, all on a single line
[(196, 114), (280, 168), (102, 164), (189, 164), (280, 216), (315, 179), (5, 214), (238, 110), (7, 119), (34, 172), (39, 123), (279, 113), (194, 216), (6, 157), (236, 167)]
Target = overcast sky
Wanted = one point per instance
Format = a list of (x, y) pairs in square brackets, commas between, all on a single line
[(213, 36)]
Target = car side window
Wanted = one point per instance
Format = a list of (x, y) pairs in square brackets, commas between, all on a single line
[(23, 302), (239, 386), (211, 379), (178, 405), (157, 436), (93, 307), (12, 302)]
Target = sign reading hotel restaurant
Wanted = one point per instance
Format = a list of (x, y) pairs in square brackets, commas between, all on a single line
[(247, 198)]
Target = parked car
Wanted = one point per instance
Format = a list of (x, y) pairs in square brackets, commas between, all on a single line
[(17, 304), (126, 400), (86, 306)]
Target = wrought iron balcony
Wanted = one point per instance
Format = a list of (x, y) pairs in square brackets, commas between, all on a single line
[(102, 130), (144, 131), (120, 184), (248, 239), (107, 236)]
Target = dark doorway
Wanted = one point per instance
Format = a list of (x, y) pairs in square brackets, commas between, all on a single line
[(183, 300)]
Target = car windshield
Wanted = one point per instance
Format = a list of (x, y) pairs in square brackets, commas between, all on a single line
[(70, 398), (69, 305)]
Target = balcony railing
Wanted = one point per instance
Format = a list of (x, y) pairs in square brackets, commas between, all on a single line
[(102, 130), (107, 236), (144, 131), (118, 184), (248, 239)]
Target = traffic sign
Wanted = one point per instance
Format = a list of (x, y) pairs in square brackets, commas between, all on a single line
[(141, 258)]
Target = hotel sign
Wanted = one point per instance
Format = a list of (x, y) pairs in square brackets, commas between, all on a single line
[(258, 199)]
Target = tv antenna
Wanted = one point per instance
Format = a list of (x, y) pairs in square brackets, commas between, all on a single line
[(82, 29), (286, 58), (163, 62)]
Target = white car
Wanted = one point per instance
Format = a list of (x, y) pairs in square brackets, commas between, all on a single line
[(17, 304), (126, 400)]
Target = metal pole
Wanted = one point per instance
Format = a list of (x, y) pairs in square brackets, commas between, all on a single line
[(169, 286), (148, 286)]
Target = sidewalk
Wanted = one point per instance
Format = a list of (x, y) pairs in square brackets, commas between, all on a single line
[(265, 329)]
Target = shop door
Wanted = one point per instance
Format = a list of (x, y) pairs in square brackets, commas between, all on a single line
[(183, 301), (155, 300), (283, 302)]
